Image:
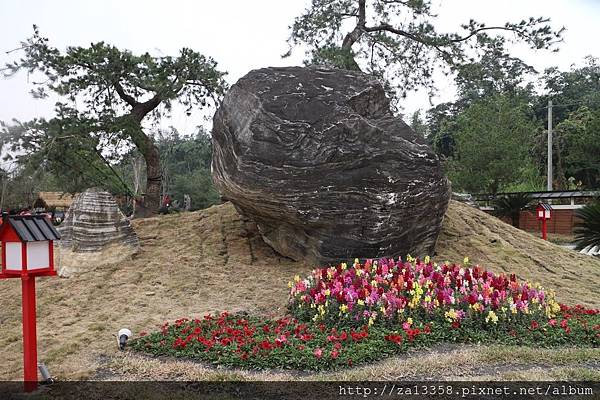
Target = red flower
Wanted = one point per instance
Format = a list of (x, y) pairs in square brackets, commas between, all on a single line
[(564, 323), (534, 325), (455, 325), (394, 338), (266, 345), (334, 354)]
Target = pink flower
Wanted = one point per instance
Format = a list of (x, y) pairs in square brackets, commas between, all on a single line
[(318, 352), (552, 322)]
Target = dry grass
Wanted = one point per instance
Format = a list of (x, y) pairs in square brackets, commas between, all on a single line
[(213, 260), (502, 248)]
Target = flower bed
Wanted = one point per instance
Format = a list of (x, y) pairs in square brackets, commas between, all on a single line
[(344, 316), (391, 292)]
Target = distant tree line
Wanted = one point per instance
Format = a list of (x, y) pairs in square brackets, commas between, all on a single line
[(493, 138)]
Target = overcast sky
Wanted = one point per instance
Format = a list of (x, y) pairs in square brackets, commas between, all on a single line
[(242, 35)]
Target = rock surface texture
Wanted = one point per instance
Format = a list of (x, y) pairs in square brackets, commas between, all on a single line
[(94, 222), (317, 159)]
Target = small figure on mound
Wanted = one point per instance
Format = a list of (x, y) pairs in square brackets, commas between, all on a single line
[(166, 205)]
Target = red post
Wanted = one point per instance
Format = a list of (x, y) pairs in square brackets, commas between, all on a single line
[(544, 236), (30, 377)]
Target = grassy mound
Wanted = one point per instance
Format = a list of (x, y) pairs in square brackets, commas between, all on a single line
[(203, 262)]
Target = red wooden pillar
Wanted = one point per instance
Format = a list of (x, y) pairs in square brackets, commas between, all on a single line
[(29, 334), (544, 235)]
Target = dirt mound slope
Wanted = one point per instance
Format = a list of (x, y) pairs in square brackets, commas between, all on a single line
[(499, 247), (212, 260)]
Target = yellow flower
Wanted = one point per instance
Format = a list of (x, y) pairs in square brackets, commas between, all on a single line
[(491, 317), (409, 258), (290, 284), (476, 306), (329, 273), (313, 305), (344, 308), (428, 299), (374, 283), (344, 266), (297, 278), (359, 272), (451, 314), (371, 321), (321, 309), (466, 261), (360, 302), (356, 261), (427, 259), (409, 320), (382, 309), (327, 292)]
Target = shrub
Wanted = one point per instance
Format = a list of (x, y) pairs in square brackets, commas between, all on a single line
[(588, 230)]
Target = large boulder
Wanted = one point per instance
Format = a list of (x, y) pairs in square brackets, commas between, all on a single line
[(317, 159)]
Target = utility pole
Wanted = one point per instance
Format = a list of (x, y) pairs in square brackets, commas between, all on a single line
[(549, 182)]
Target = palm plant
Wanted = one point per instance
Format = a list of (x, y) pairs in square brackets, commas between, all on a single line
[(510, 205), (587, 232)]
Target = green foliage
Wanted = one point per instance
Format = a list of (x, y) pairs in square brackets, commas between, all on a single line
[(186, 168), (587, 231), (492, 142), (65, 148), (578, 143), (105, 94), (510, 205), (398, 41), (418, 125), (105, 79)]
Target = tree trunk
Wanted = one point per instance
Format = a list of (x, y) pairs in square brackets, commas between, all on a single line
[(151, 199), (515, 218), (146, 146), (133, 127)]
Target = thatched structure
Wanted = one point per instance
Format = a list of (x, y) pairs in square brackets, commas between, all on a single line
[(53, 201)]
